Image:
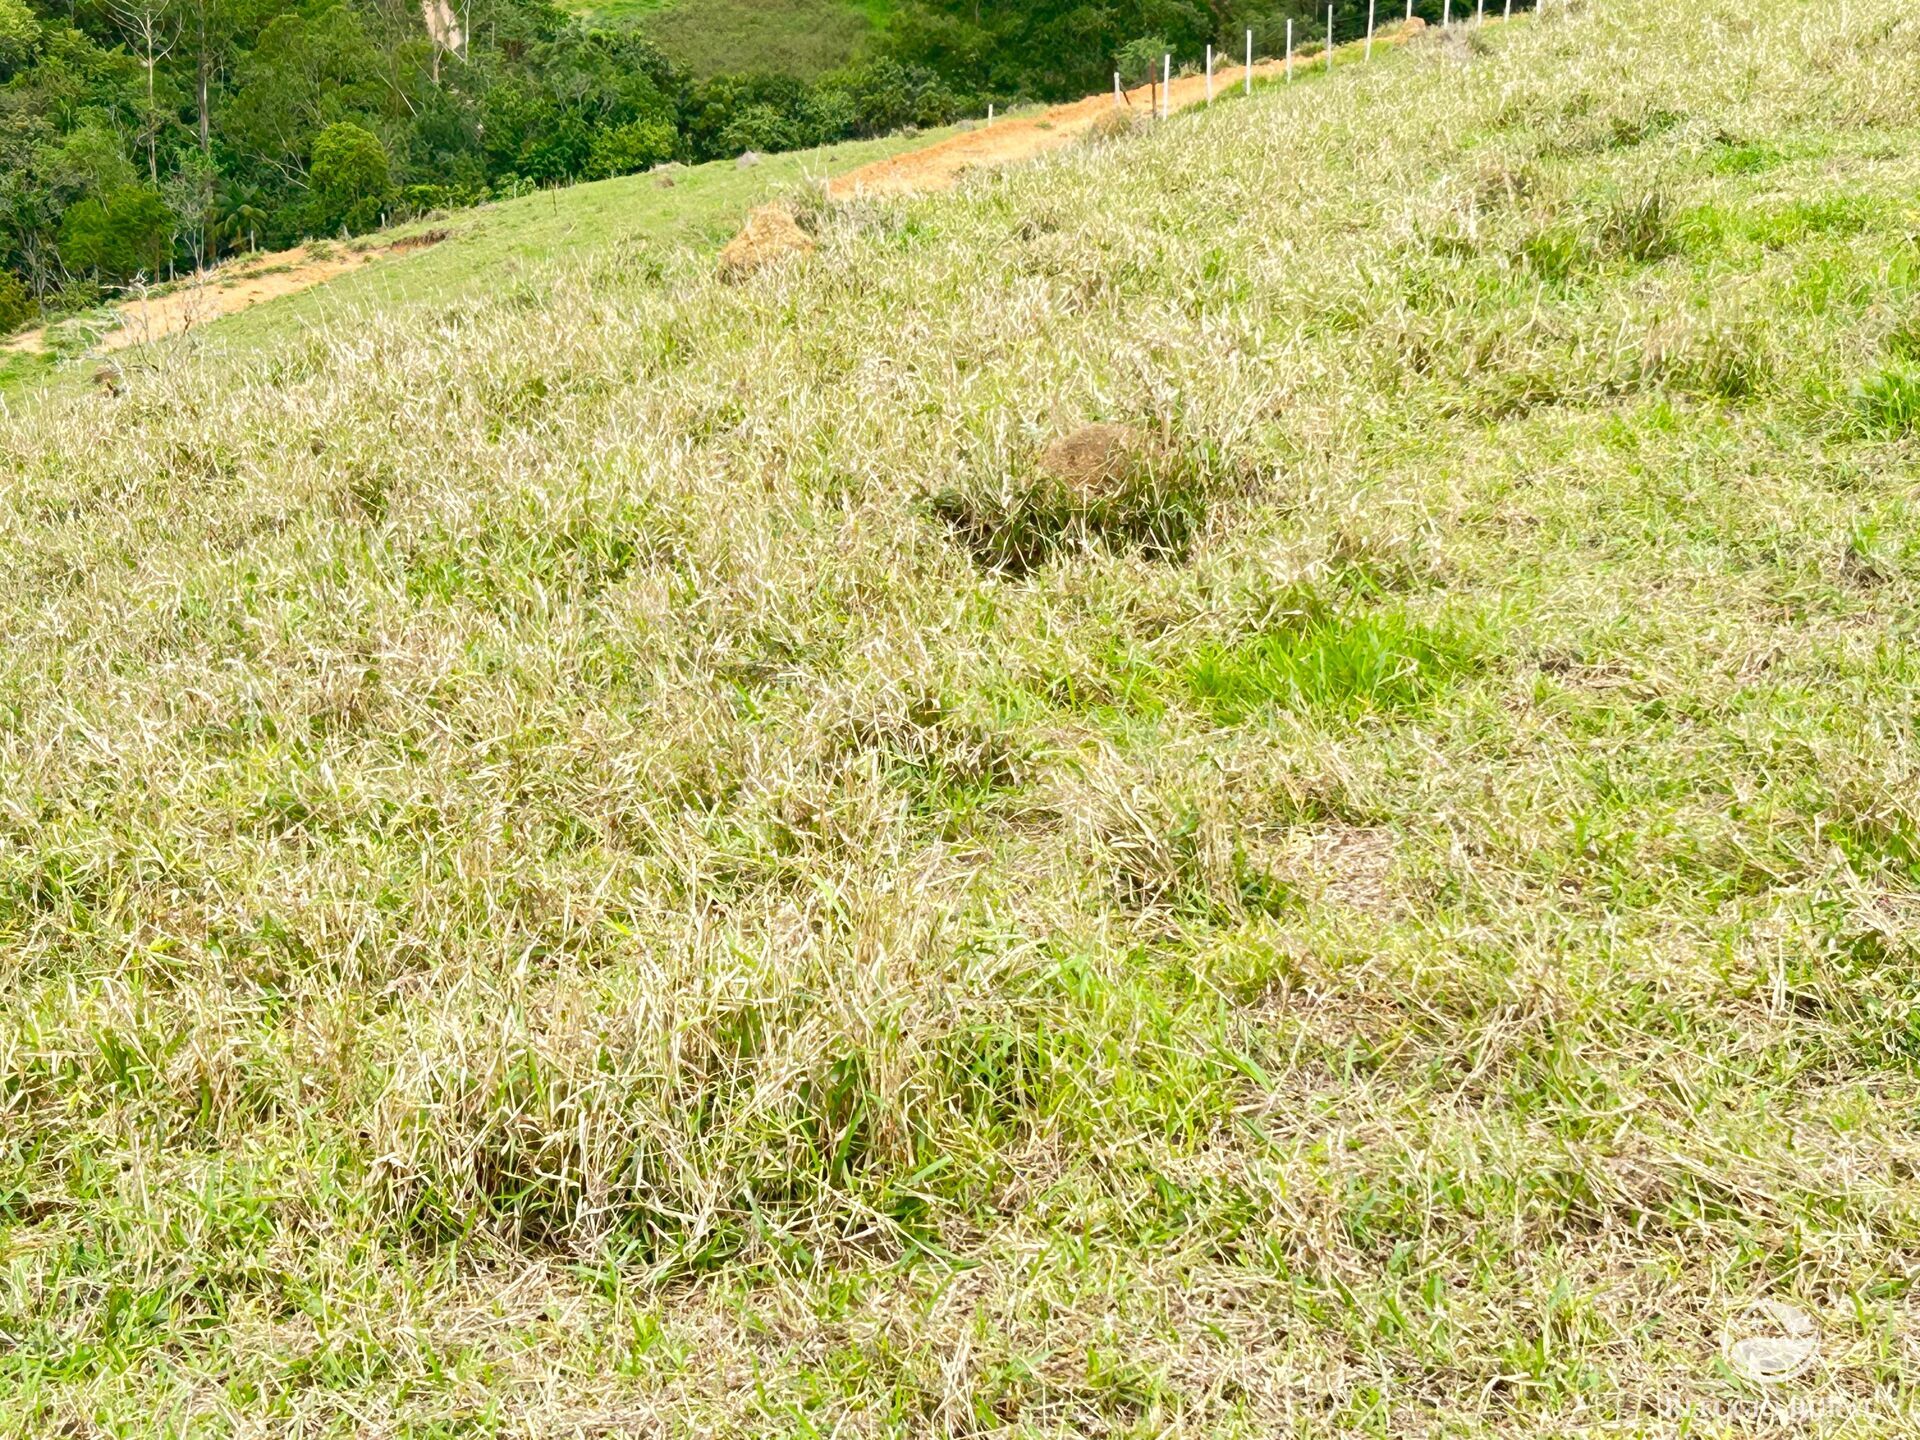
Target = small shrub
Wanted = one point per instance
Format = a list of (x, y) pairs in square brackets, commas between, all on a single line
[(16, 305), (1141, 56), (1116, 125)]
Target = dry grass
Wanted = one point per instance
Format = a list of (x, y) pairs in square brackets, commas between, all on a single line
[(770, 235), (547, 889)]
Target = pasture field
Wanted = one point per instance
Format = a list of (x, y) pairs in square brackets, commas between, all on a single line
[(489, 249), (591, 851), (805, 38)]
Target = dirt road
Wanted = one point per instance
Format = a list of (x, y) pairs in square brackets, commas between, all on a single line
[(230, 288), (1021, 137)]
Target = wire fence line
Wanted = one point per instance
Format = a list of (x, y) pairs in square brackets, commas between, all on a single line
[(1293, 47)]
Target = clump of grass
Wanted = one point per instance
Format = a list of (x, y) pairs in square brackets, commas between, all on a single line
[(1798, 220), (1639, 227), (1887, 401), (1709, 357), (1113, 125), (1345, 665), (1903, 340), (1635, 126), (1149, 498), (1556, 252), (1452, 44), (1736, 157)]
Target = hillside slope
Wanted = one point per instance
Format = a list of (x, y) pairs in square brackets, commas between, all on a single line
[(733, 37), (472, 252), (624, 854)]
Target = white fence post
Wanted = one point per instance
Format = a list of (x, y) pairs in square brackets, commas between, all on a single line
[(1329, 39), (1446, 14), (1370, 4), (1209, 74), (1116, 89), (1166, 86), (1289, 50), (1249, 62)]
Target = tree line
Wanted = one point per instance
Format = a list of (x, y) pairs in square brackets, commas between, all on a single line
[(142, 137), (1063, 49)]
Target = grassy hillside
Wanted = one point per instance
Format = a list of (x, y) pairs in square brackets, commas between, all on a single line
[(716, 37), (613, 855), (636, 219)]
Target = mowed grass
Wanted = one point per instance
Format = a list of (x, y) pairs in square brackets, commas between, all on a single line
[(732, 37), (607, 853)]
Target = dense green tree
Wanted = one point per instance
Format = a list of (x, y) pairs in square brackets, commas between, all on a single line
[(125, 236), (192, 191), (731, 113), (302, 75), (625, 149), (16, 303), (350, 179), (1142, 59), (1057, 49), (542, 121), (881, 96), (89, 161), (19, 36)]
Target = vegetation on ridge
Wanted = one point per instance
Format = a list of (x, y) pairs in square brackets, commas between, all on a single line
[(140, 138), (548, 885), (146, 138)]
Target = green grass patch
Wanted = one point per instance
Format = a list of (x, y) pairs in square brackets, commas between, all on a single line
[(803, 38), (19, 368), (1350, 665), (1745, 159), (1887, 402)]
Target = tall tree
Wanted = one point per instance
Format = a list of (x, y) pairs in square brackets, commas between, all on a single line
[(152, 29)]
